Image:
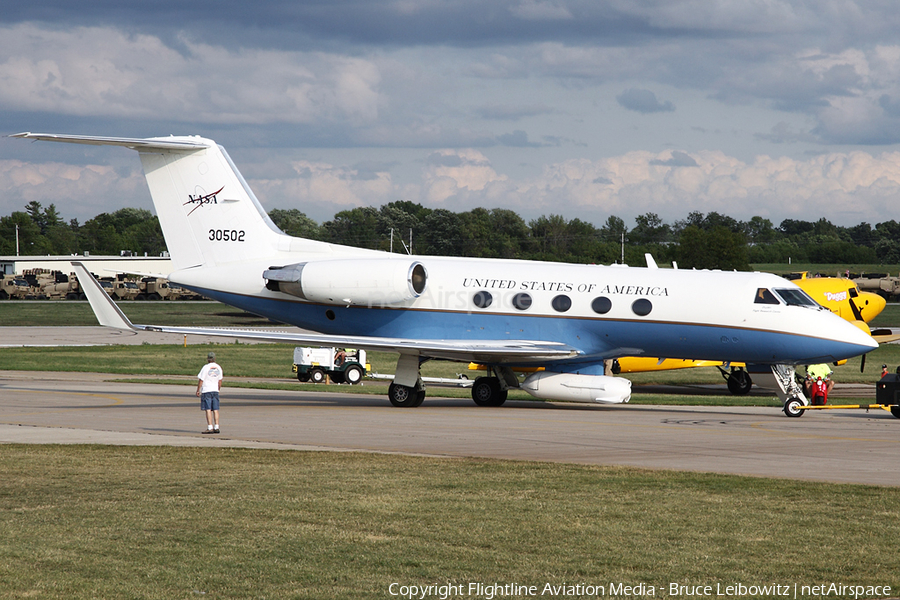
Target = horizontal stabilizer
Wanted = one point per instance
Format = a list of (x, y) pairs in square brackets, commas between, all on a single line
[(133, 143)]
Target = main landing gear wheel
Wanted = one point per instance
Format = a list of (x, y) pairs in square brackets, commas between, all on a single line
[(405, 396), (739, 382), (793, 408), (353, 374), (486, 392)]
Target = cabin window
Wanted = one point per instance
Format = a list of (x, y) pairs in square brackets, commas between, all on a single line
[(561, 303), (482, 299), (796, 297), (764, 296), (642, 307), (522, 301), (601, 305)]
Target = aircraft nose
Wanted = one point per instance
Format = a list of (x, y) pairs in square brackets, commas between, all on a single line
[(856, 333), (870, 305)]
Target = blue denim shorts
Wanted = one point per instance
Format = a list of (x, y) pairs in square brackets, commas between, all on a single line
[(209, 401)]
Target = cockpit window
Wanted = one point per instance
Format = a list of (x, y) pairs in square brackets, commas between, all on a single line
[(796, 297), (764, 296), (854, 292)]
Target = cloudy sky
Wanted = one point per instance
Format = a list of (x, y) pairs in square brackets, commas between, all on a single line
[(584, 108)]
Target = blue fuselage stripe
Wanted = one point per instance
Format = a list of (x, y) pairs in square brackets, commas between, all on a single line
[(597, 337)]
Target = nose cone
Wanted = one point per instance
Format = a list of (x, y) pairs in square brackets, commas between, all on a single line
[(870, 305), (850, 334)]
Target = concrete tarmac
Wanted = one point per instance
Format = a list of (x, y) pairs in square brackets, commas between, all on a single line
[(837, 446)]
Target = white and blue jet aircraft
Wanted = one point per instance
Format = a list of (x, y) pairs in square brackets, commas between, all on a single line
[(500, 313)]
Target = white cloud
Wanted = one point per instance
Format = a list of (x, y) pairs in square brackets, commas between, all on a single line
[(846, 188), (77, 191), (453, 172), (335, 188), (94, 71)]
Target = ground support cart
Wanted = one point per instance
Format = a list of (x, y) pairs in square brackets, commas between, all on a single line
[(315, 364)]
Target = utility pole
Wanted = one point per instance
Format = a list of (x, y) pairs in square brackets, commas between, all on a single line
[(17, 239)]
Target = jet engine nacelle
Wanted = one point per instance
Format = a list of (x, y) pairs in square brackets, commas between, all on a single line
[(572, 387), (359, 281)]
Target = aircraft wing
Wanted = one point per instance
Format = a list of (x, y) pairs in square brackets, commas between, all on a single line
[(886, 335), (491, 351)]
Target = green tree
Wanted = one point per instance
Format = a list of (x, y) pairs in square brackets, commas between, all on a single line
[(613, 229), (760, 231), (717, 248), (496, 233), (128, 229), (401, 220), (295, 223), (550, 237), (791, 227), (650, 229), (31, 242), (441, 234), (356, 227)]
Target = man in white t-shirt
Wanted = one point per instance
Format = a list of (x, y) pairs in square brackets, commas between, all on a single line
[(208, 385)]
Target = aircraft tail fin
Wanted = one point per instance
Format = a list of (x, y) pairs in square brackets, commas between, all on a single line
[(208, 213)]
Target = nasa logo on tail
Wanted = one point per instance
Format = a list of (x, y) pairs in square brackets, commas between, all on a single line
[(202, 200)]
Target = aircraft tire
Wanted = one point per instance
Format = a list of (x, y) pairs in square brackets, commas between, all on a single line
[(303, 377), (486, 392), (895, 410), (337, 377), (739, 383), (404, 396), (793, 408), (353, 374), (316, 375)]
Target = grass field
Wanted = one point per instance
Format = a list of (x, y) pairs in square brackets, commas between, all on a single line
[(108, 522), (54, 313)]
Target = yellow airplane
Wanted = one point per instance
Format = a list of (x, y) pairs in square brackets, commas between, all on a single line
[(842, 297)]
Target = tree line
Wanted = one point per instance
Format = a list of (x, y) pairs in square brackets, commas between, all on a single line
[(699, 240)]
